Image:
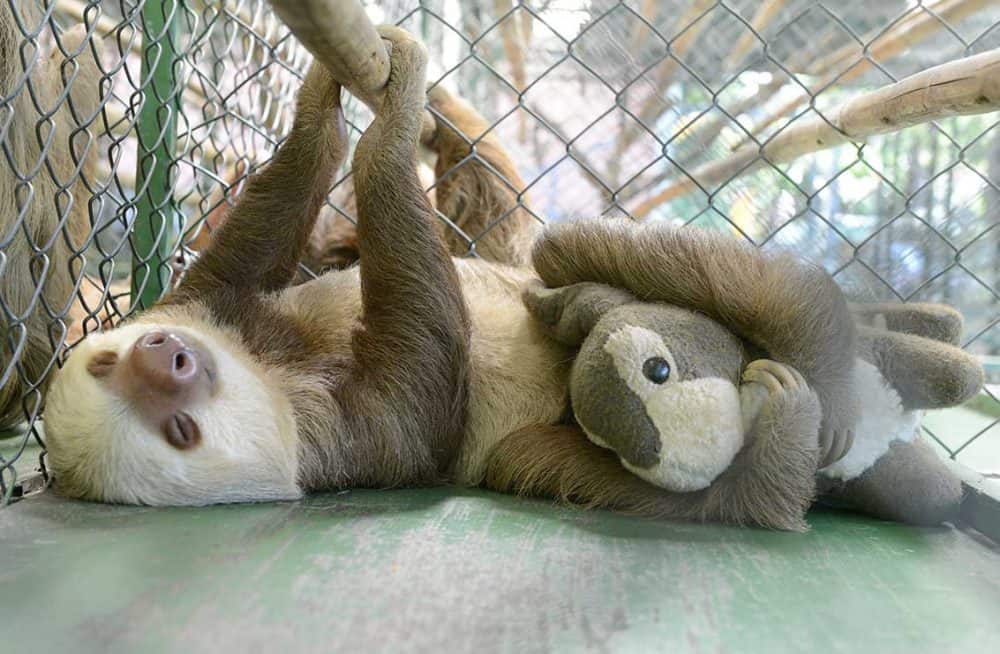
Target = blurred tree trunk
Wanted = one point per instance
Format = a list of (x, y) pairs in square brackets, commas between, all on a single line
[(993, 171), (913, 170), (948, 208), (930, 200)]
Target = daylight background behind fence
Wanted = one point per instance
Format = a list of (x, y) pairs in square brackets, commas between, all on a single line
[(608, 108)]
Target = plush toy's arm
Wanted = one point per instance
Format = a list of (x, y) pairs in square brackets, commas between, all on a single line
[(938, 322), (793, 311), (927, 374), (571, 312), (771, 483)]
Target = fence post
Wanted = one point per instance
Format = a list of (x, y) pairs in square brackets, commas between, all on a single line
[(157, 137)]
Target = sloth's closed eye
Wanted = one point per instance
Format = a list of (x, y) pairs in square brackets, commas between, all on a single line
[(103, 363)]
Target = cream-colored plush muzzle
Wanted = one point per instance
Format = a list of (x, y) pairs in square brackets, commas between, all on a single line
[(99, 448), (700, 427)]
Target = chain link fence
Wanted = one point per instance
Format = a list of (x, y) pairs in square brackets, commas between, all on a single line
[(129, 127)]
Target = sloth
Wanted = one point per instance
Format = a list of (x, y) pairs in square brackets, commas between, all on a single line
[(44, 223), (412, 368)]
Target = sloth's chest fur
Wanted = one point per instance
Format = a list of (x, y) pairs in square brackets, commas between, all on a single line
[(519, 376)]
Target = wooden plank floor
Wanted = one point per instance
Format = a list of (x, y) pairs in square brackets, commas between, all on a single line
[(445, 570)]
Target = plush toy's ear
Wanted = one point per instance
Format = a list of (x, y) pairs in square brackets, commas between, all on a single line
[(571, 312)]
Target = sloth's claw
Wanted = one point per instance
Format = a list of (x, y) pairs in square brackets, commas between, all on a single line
[(777, 377)]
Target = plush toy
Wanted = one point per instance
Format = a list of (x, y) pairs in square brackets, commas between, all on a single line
[(908, 362), (674, 393)]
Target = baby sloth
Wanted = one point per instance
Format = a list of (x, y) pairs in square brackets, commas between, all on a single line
[(240, 387), (661, 387)]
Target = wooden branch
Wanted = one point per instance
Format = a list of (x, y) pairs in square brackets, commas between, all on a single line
[(961, 87), (685, 41), (527, 26), (905, 34), (702, 134), (910, 31), (649, 10), (513, 47), (766, 13), (708, 129), (340, 35)]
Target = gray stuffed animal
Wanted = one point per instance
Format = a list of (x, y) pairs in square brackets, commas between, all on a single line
[(675, 395)]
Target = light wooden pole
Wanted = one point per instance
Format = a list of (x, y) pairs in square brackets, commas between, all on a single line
[(339, 34), (961, 87)]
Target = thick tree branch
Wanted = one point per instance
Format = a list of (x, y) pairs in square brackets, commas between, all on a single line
[(340, 35), (904, 35), (965, 86)]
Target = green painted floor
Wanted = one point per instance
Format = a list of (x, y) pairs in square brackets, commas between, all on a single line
[(443, 570)]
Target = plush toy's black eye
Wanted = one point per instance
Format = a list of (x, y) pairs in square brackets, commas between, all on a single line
[(656, 370)]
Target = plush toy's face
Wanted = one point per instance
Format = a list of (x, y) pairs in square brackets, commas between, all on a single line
[(658, 385)]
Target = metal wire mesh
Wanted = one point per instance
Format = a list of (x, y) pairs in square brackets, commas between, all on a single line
[(605, 106)]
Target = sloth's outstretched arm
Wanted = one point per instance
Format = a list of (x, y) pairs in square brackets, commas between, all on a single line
[(477, 185), (406, 392), (771, 483), (794, 312), (259, 246)]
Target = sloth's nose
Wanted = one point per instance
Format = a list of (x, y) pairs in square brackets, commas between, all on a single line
[(163, 362), (164, 375)]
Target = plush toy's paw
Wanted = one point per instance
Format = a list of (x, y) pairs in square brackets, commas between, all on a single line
[(570, 312)]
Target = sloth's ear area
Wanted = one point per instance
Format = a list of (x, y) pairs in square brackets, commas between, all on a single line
[(570, 312)]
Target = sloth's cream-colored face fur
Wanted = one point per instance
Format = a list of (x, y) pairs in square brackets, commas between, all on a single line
[(101, 446)]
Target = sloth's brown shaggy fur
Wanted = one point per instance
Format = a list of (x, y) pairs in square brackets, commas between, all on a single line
[(41, 229)]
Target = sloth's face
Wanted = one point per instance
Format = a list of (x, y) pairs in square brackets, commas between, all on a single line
[(162, 414)]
